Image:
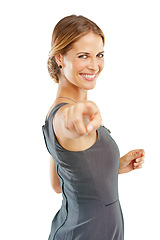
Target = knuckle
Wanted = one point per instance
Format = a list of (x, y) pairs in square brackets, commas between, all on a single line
[(88, 104), (91, 102), (76, 120), (81, 132)]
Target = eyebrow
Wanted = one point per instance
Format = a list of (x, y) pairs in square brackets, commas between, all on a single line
[(88, 53)]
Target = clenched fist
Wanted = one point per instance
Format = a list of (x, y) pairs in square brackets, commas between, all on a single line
[(82, 118)]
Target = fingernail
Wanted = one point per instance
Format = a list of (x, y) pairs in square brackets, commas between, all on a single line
[(90, 128), (138, 159), (135, 164)]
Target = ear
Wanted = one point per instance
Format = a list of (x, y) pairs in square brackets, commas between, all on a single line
[(59, 59)]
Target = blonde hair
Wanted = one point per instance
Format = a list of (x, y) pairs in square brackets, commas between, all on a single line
[(67, 31)]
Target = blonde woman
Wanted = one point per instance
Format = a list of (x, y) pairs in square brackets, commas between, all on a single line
[(84, 159)]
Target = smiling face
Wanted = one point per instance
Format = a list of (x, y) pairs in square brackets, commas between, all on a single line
[(84, 62)]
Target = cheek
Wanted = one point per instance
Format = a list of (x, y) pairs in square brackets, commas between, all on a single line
[(79, 66), (101, 65), (68, 68)]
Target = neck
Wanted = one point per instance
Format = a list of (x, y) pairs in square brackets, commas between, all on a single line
[(67, 89)]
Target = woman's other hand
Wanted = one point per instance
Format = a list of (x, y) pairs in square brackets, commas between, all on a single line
[(131, 161)]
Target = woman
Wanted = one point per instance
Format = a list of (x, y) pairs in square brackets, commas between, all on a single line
[(85, 160)]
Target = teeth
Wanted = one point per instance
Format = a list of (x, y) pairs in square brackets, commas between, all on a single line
[(89, 76)]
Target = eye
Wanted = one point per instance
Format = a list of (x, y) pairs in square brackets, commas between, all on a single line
[(100, 55), (83, 56)]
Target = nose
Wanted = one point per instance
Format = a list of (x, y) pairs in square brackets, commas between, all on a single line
[(93, 64)]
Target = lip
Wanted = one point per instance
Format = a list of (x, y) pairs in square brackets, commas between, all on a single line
[(84, 76)]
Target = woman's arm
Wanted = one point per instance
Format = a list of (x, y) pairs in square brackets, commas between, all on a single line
[(54, 179), (132, 160)]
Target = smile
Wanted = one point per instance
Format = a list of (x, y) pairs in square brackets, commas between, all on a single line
[(89, 77)]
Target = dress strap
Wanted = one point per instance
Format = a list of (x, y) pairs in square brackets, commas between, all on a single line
[(54, 110), (47, 128)]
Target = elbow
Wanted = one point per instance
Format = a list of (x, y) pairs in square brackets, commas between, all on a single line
[(57, 189)]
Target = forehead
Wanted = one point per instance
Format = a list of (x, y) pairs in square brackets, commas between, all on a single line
[(91, 42)]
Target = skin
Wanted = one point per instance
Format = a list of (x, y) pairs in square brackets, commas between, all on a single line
[(86, 57)]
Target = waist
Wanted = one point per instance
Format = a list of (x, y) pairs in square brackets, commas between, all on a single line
[(85, 203)]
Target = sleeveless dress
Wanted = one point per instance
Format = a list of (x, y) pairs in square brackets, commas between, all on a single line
[(90, 207)]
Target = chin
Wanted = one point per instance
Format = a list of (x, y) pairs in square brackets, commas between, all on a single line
[(92, 86)]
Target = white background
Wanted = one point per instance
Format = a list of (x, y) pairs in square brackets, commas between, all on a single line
[(127, 94)]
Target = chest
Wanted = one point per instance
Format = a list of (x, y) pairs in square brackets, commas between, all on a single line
[(102, 158)]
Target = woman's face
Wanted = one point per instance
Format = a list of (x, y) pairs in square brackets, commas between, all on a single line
[(84, 62)]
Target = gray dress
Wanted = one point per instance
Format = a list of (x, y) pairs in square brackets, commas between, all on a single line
[(90, 207)]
